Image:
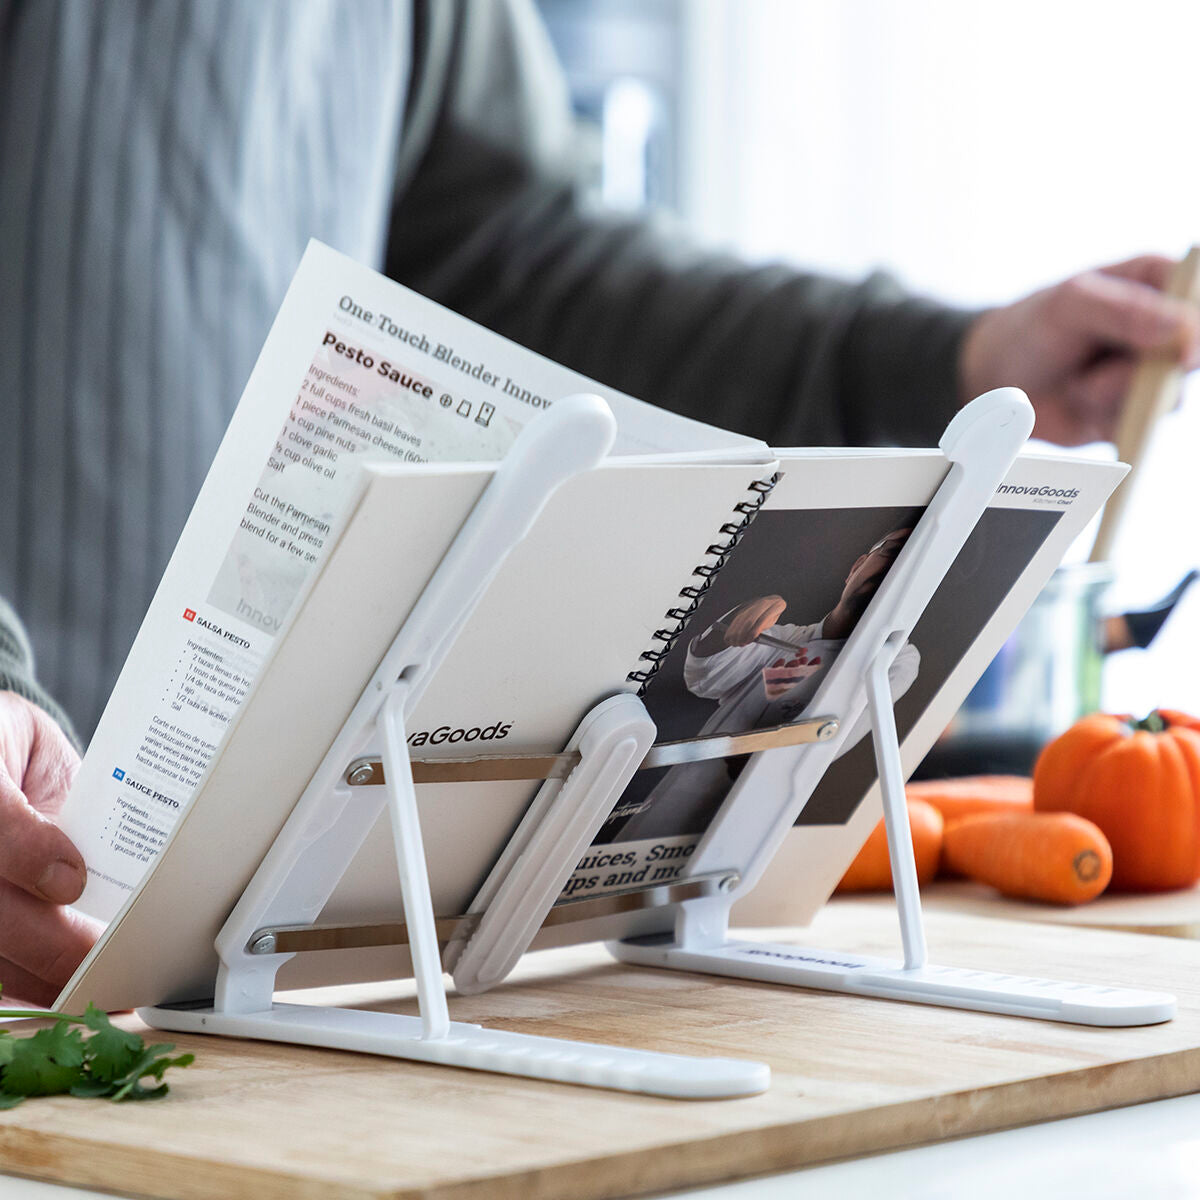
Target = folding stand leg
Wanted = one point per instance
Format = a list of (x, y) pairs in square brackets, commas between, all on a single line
[(913, 980), (414, 877), (895, 810)]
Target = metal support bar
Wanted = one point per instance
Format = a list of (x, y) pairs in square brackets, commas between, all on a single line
[(292, 939), (369, 772)]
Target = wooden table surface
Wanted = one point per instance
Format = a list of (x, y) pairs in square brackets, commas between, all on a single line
[(1168, 914), (850, 1076)]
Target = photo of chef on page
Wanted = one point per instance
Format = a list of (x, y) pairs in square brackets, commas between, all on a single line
[(999, 549), (761, 642), (758, 661)]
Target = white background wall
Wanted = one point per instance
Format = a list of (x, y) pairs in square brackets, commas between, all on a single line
[(980, 149)]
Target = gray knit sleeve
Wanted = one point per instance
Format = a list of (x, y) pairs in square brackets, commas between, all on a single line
[(488, 221), (16, 668)]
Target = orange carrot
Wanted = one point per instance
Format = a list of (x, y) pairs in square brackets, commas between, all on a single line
[(872, 872), (955, 798), (1056, 857)]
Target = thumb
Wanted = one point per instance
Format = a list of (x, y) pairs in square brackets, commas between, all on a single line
[(34, 853), (51, 767)]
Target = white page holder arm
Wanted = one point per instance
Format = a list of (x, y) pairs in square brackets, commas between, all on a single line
[(331, 819), (981, 443)]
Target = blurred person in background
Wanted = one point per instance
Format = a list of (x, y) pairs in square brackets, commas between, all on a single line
[(162, 166)]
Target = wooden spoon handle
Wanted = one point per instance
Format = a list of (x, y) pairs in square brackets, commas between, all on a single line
[(1153, 391)]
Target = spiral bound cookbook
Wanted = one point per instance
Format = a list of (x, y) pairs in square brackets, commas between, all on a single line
[(718, 579)]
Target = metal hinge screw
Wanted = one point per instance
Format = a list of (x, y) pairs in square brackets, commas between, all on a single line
[(360, 773)]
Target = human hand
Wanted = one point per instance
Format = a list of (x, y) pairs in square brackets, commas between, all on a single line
[(1073, 347), (751, 618), (41, 941)]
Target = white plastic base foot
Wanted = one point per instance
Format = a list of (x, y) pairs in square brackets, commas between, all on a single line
[(952, 987), (472, 1046)]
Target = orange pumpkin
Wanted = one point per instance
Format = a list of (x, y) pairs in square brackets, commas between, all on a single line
[(1139, 781), (1173, 717)]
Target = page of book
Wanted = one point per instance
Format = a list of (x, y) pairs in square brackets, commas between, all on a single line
[(356, 370)]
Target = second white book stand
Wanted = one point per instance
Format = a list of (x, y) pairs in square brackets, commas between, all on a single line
[(368, 768), (981, 443)]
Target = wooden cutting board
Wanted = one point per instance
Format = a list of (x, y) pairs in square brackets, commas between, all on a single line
[(851, 1076)]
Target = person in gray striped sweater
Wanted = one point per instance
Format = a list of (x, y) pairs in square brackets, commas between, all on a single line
[(162, 166)]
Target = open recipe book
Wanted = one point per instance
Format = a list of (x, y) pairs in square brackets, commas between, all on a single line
[(716, 576)]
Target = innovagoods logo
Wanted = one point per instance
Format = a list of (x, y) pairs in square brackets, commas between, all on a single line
[(1051, 493)]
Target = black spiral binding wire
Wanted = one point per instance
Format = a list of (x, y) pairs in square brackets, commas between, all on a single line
[(734, 530)]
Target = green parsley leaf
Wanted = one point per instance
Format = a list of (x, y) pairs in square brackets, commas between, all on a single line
[(61, 1043), (92, 1089), (58, 1059), (153, 1062), (112, 1051), (45, 1064)]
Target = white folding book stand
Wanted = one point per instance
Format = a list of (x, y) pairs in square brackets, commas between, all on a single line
[(368, 768), (333, 817), (980, 443)]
